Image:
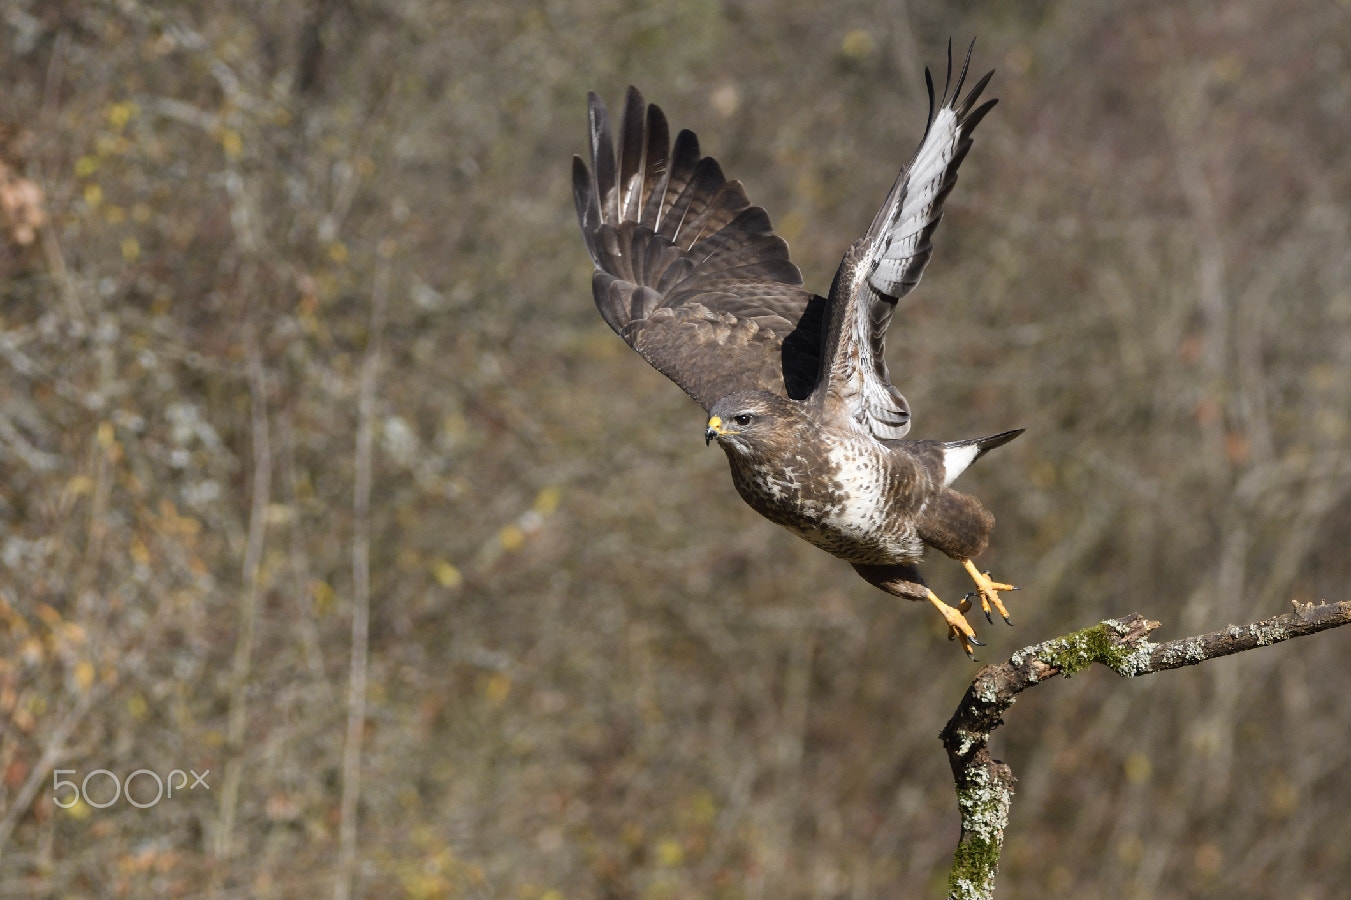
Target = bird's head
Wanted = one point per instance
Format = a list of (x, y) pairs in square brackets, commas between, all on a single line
[(746, 421)]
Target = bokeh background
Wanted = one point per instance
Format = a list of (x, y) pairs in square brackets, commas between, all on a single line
[(591, 670)]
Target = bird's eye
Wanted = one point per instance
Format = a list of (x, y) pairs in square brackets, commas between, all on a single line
[(742, 419)]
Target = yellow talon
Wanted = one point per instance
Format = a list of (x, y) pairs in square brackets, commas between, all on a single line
[(988, 591), (958, 627)]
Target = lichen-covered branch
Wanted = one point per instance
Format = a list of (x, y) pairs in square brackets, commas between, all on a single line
[(985, 785)]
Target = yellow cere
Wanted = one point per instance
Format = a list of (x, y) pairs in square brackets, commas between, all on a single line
[(715, 423)]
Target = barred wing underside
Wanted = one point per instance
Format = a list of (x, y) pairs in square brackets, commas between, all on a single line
[(889, 260)]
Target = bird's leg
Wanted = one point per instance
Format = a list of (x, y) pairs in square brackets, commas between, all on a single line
[(903, 580), (988, 591), (958, 627)]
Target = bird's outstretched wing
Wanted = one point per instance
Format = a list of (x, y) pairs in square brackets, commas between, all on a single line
[(888, 262), (900, 235), (688, 272)]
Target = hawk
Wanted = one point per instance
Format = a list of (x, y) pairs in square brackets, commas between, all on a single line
[(795, 386)]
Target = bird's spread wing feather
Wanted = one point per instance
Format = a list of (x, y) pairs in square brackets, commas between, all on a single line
[(688, 272), (901, 232), (888, 262)]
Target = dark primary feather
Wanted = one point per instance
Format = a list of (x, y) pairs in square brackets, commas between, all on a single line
[(688, 272)]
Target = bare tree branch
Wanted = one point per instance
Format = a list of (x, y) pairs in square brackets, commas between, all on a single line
[(242, 664), (52, 753), (985, 785), (361, 586)]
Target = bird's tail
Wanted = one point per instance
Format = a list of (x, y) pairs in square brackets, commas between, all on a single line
[(986, 444), (959, 455)]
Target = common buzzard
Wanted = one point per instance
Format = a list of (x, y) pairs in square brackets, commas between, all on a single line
[(795, 386)]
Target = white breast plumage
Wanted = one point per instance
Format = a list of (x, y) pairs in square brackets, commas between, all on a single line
[(858, 475)]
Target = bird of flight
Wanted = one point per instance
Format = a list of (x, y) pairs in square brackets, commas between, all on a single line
[(795, 386)]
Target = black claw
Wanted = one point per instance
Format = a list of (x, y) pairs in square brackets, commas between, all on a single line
[(989, 618), (976, 642), (1008, 621)]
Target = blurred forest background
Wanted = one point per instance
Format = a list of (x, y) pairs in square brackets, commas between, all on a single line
[(254, 254)]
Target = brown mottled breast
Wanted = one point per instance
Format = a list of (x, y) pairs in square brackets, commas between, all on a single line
[(844, 492)]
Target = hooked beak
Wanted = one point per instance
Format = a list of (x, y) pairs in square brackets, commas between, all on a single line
[(713, 430)]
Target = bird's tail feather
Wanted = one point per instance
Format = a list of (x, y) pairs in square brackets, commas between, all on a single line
[(986, 444)]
